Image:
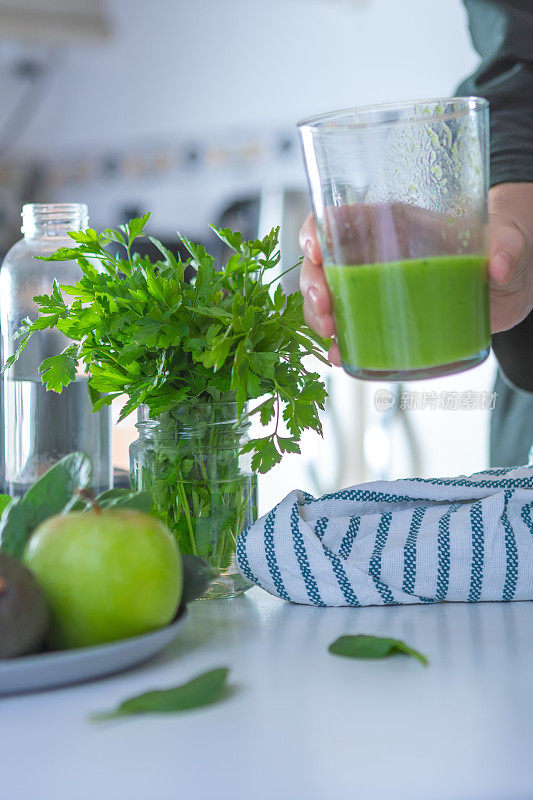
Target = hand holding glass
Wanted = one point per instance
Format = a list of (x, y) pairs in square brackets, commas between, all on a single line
[(400, 201)]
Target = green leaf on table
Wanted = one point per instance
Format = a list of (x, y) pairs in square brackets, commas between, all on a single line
[(208, 688), (363, 646), (197, 576), (54, 493)]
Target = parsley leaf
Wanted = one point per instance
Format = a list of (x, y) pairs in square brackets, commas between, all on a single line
[(59, 371)]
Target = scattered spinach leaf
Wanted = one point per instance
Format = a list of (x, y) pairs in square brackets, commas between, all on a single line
[(59, 491), (363, 646), (203, 690), (54, 493)]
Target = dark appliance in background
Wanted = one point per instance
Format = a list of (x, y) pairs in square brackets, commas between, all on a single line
[(256, 214), (144, 247), (241, 215)]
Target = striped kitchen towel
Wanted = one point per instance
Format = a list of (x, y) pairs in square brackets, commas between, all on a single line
[(405, 541)]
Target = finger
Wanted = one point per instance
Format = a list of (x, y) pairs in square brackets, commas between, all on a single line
[(506, 248), (323, 324), (309, 242), (334, 355), (317, 304), (314, 287)]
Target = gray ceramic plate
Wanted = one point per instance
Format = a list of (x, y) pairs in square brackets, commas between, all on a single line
[(45, 670)]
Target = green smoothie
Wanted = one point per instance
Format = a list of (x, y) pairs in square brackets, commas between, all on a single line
[(413, 314)]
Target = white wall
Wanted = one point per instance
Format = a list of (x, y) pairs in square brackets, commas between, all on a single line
[(180, 67), (212, 69)]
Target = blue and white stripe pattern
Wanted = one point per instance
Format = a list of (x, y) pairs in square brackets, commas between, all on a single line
[(408, 541)]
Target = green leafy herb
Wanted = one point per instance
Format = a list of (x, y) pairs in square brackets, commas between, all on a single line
[(54, 493), (139, 329), (201, 691), (363, 646)]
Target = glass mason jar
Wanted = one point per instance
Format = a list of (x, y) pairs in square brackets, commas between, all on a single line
[(203, 488), (399, 194), (39, 426)]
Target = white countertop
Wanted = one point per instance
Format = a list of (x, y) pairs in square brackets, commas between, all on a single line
[(301, 724)]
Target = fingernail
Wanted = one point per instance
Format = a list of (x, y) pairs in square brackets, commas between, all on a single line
[(308, 248), (312, 294)]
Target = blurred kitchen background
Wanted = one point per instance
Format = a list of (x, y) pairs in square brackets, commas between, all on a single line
[(189, 110)]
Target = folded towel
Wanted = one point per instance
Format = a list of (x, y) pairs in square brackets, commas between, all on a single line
[(406, 541)]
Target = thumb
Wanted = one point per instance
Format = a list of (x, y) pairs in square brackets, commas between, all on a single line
[(506, 248)]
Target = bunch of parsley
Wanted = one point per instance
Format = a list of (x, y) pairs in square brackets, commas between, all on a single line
[(139, 329)]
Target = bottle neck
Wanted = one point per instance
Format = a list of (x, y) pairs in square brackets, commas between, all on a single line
[(53, 219)]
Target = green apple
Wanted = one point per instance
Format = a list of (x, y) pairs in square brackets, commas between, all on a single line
[(106, 575)]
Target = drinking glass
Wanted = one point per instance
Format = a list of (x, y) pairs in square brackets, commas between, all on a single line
[(399, 194)]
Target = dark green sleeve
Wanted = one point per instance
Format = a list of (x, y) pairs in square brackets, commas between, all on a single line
[(502, 33), (514, 351)]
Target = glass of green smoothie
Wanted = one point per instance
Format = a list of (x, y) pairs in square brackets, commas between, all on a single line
[(399, 194)]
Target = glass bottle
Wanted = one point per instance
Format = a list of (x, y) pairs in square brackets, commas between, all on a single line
[(40, 427), (203, 488)]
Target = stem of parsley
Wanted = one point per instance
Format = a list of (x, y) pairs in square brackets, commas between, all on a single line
[(183, 500)]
